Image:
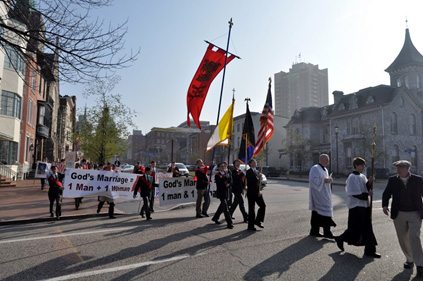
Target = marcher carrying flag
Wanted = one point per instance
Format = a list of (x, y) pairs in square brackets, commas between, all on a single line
[(248, 139), (223, 130), (213, 62), (266, 123)]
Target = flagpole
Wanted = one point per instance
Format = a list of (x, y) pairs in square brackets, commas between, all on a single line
[(230, 133), (221, 88), (246, 137)]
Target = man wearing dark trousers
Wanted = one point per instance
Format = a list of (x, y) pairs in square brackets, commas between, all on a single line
[(153, 189), (406, 192), (254, 196), (54, 192), (238, 185), (223, 180)]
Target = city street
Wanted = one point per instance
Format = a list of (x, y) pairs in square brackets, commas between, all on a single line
[(177, 246)]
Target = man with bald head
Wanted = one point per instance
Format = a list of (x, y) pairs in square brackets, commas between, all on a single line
[(320, 200)]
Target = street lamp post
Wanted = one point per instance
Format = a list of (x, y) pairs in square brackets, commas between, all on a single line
[(336, 148)]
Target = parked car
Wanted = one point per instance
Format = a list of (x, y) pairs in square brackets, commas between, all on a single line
[(244, 167), (127, 168), (183, 170)]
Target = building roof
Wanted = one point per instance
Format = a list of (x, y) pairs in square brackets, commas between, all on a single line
[(408, 55), (365, 98), (307, 115)]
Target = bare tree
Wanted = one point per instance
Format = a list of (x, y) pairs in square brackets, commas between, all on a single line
[(85, 48)]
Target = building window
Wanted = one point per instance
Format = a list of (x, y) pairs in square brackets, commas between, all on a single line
[(34, 80), (407, 84), (395, 153), (399, 84), (413, 124), (394, 123), (30, 105), (418, 81), (12, 60), (413, 156), (41, 116), (27, 144), (8, 152), (355, 126), (10, 104)]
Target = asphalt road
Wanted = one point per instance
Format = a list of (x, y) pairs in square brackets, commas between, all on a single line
[(176, 246)]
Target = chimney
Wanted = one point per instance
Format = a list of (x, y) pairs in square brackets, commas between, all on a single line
[(337, 96)]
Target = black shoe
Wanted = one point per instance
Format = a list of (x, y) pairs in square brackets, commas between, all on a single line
[(252, 228), (373, 255), (98, 211), (112, 217), (230, 226), (329, 235), (339, 243), (198, 216), (205, 215), (259, 224), (149, 218), (151, 210), (315, 234), (51, 215), (216, 221), (408, 265), (142, 215)]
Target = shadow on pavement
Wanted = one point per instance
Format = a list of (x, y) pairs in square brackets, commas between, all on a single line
[(282, 261), (346, 267)]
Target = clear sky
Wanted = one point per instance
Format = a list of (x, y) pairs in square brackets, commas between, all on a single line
[(355, 39)]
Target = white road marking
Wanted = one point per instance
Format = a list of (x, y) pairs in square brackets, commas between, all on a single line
[(65, 235), (114, 269)]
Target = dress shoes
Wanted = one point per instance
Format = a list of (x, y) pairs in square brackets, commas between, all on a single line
[(408, 265), (373, 255), (112, 217), (339, 243), (149, 218), (198, 216), (259, 224), (315, 234), (329, 235), (205, 215), (252, 228), (230, 226), (216, 221)]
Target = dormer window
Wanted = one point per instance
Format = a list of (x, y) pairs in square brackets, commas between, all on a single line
[(370, 100), (399, 84)]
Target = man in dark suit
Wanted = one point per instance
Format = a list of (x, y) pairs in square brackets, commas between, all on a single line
[(254, 196), (406, 191)]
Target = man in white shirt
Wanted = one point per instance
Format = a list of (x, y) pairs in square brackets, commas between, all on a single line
[(320, 200)]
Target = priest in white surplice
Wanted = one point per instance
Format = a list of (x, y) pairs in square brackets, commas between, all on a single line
[(320, 201)]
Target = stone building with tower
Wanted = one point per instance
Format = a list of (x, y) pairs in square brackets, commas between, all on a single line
[(345, 128)]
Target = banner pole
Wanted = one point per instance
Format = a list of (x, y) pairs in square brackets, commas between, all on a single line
[(221, 92)]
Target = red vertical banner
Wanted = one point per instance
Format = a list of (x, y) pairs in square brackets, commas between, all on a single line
[(212, 63)]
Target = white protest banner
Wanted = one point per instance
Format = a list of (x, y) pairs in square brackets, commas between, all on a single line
[(173, 191), (41, 169), (160, 177), (83, 183)]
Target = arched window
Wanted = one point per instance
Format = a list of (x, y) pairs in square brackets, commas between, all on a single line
[(394, 123), (413, 156), (413, 124), (395, 153)]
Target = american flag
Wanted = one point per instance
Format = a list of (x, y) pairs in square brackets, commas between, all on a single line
[(266, 123)]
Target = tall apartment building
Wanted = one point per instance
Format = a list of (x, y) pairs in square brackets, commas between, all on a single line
[(304, 85)]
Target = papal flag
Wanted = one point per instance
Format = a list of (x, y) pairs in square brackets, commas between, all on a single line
[(223, 130)]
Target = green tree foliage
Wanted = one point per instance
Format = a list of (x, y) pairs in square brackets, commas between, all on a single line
[(106, 125)]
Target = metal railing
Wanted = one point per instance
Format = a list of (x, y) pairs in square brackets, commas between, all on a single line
[(7, 172)]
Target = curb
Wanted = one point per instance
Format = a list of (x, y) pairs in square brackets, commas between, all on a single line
[(302, 180)]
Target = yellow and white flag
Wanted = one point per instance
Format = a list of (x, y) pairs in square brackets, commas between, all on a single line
[(223, 130)]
